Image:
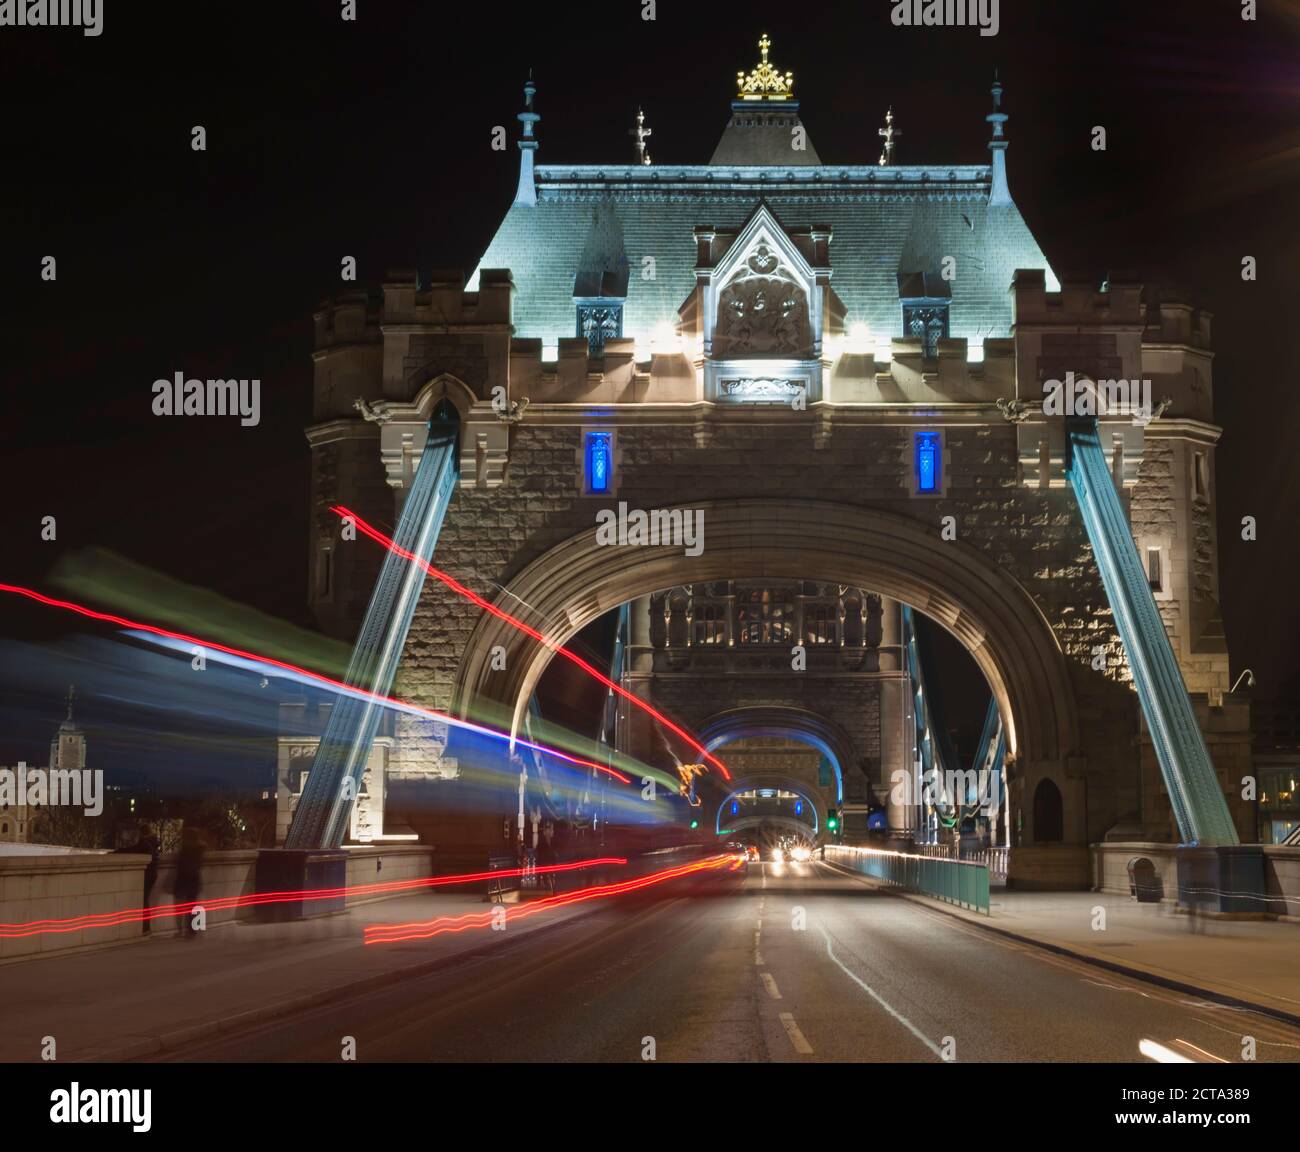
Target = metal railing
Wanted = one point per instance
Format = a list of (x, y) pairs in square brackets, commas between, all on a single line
[(935, 851), (994, 859), (956, 881)]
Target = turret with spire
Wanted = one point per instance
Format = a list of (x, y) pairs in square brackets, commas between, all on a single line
[(998, 191), (527, 191)]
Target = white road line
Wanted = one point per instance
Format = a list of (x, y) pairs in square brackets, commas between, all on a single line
[(760, 924), (797, 1038), (903, 1020), (770, 984), (758, 960)]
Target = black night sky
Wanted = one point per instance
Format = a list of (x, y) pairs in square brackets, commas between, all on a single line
[(372, 139)]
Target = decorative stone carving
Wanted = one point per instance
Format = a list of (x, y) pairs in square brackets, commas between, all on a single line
[(929, 321), (762, 310), (378, 412), (1016, 411), (598, 322), (760, 388)]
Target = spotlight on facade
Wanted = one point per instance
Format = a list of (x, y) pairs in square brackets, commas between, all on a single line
[(664, 340), (859, 341)]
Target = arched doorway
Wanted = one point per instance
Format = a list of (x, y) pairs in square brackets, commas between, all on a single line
[(1049, 814)]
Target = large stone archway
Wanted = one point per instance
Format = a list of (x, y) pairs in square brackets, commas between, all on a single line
[(981, 604)]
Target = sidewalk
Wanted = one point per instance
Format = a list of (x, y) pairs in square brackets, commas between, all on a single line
[(144, 998), (1245, 963)]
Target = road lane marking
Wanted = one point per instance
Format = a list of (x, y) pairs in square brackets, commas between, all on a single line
[(797, 1038), (1260, 1026), (758, 960), (1085, 972), (903, 1020), (770, 984)]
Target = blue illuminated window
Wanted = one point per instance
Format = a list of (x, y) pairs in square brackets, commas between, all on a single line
[(599, 455), (929, 456)]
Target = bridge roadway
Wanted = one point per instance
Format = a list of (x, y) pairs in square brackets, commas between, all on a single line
[(713, 968)]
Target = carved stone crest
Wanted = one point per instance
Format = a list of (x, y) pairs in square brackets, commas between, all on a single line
[(763, 310)]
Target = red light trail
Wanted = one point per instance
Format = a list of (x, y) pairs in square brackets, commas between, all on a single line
[(444, 925), (153, 630), (161, 911), (460, 589)]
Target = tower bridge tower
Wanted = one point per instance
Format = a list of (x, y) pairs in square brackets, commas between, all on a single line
[(842, 369)]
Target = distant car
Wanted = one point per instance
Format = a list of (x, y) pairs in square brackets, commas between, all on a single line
[(751, 852)]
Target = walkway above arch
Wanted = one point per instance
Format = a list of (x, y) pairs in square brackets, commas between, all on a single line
[(787, 723), (777, 782)]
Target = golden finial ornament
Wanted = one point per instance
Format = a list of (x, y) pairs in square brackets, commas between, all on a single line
[(765, 82)]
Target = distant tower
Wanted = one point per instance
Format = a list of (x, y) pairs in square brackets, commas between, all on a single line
[(642, 133), (888, 132), (68, 748)]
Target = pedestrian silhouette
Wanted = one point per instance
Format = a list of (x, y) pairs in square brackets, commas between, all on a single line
[(189, 874), (546, 857), (147, 845)]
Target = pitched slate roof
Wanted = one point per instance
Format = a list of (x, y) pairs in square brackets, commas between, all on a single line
[(764, 134), (887, 222)]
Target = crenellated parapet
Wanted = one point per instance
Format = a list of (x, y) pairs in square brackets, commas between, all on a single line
[(1141, 363), (1177, 357), (1141, 366)]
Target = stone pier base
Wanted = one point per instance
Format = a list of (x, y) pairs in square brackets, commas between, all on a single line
[(301, 872), (1222, 881)]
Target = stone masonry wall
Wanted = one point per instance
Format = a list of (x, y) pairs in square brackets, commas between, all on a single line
[(1036, 535)]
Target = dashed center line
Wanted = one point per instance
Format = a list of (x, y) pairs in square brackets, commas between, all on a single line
[(769, 982), (797, 1038)]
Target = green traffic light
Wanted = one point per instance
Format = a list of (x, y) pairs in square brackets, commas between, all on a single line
[(695, 823)]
